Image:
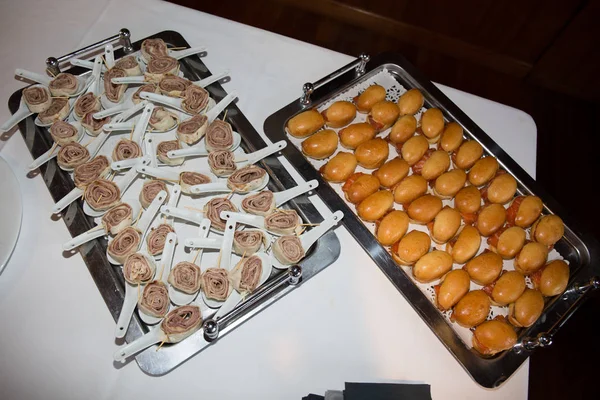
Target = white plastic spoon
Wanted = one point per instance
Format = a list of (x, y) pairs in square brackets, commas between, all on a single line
[(78, 62), (125, 115), (172, 176), (19, 115), (138, 80), (309, 238), (53, 151), (253, 158), (179, 54), (286, 195), (82, 83), (200, 148), (177, 103), (189, 216), (109, 55), (216, 187)]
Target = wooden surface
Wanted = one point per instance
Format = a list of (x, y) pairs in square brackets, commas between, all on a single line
[(524, 54)]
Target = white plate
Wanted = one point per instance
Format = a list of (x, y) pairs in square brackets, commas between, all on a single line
[(11, 212)]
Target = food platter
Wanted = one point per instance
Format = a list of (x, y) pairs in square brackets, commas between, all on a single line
[(102, 257), (396, 76)]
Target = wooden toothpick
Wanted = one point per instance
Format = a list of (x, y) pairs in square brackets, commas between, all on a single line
[(193, 209), (53, 149), (99, 198), (177, 48), (196, 256), (225, 115), (48, 70)]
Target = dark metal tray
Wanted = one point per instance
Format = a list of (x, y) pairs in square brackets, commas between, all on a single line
[(109, 279), (578, 247)]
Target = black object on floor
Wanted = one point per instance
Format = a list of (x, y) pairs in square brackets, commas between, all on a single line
[(386, 391), (313, 397)]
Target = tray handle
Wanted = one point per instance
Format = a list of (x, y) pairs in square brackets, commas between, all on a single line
[(544, 339), (124, 38), (359, 65), (212, 328)]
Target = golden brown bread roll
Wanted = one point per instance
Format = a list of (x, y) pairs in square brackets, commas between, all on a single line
[(375, 206), (392, 172), (483, 171), (424, 209), (305, 124), (445, 225), (472, 309), (501, 189), (485, 268), (372, 153), (490, 219), (414, 149), (527, 309), (367, 99), (468, 202), (507, 242), (339, 114), (433, 164), (465, 245), (524, 211), (409, 189), (392, 227), (492, 337), (354, 135), (320, 145), (403, 129), (449, 183), (432, 124), (411, 247), (411, 102), (383, 115), (467, 154), (453, 286), (359, 186), (432, 266), (507, 289), (339, 167), (548, 230), (531, 258), (552, 279), (452, 137)]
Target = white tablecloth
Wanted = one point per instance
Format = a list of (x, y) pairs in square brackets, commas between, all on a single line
[(57, 335)]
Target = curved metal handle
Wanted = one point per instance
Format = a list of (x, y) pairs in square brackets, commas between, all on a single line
[(308, 88)]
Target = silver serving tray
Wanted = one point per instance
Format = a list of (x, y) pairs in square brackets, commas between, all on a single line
[(578, 247), (109, 279)]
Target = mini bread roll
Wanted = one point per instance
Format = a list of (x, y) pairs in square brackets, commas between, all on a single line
[(411, 248), (403, 129), (472, 309), (468, 202), (305, 124), (414, 149), (507, 242), (411, 102), (339, 114), (445, 225), (501, 189), (409, 189), (492, 337), (483, 171), (465, 245), (485, 268), (435, 165), (383, 115), (392, 227), (552, 279), (392, 172), (367, 99), (548, 230), (454, 285), (424, 209), (451, 138), (375, 206), (360, 186), (527, 309), (320, 145), (490, 219), (432, 124), (467, 154), (432, 266), (354, 135), (508, 288), (524, 211), (339, 167), (531, 258), (372, 153), (449, 183)]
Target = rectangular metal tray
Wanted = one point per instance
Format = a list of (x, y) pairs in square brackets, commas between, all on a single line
[(578, 247), (109, 279)]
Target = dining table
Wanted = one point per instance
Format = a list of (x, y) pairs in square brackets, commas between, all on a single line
[(347, 324)]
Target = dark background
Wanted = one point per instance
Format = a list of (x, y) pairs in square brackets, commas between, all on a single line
[(541, 56)]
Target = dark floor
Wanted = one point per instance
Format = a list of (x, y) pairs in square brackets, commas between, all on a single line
[(568, 130)]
